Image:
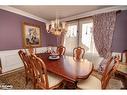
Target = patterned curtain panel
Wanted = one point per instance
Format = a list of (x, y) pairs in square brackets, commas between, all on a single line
[(104, 26)]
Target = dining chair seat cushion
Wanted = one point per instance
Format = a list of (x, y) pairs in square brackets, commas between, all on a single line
[(53, 79), (115, 84), (90, 83)]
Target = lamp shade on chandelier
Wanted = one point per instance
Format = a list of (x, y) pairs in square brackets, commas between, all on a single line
[(56, 27)]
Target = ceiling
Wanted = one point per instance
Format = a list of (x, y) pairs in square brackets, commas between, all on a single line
[(50, 12)]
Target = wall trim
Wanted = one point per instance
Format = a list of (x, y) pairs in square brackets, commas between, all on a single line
[(12, 71), (10, 59), (91, 13), (23, 13)]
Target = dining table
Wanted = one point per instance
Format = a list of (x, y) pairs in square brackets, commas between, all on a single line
[(68, 68)]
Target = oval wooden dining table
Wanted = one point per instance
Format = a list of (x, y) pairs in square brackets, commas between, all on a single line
[(69, 69)]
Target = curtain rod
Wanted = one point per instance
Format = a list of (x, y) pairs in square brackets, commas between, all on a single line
[(79, 18), (117, 12)]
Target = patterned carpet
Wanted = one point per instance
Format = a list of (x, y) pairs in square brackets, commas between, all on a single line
[(17, 80)]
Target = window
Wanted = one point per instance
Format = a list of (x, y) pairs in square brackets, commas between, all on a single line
[(72, 31), (71, 37), (87, 34), (87, 39), (83, 38)]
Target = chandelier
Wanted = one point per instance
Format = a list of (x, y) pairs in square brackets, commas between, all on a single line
[(56, 27)]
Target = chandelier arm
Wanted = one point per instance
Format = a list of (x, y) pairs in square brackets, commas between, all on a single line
[(56, 27)]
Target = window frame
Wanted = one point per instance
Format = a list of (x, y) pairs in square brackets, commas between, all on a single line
[(79, 31), (87, 20)]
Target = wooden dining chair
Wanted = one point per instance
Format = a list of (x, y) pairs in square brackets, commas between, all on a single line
[(44, 80), (124, 56), (29, 69), (94, 83), (61, 50), (78, 53), (30, 50)]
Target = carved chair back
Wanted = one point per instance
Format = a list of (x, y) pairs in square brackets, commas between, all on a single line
[(109, 71), (124, 53), (41, 72), (78, 53), (29, 67), (30, 50), (24, 59), (61, 50)]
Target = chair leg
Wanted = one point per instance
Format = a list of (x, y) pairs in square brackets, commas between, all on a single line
[(34, 83), (70, 85), (27, 79)]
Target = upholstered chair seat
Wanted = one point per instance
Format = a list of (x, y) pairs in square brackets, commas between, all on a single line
[(44, 79), (91, 83), (114, 84), (53, 81), (94, 83)]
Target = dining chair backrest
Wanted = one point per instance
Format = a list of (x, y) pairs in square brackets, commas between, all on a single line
[(61, 50), (109, 70), (124, 56), (109, 64), (41, 71), (30, 50), (78, 53), (29, 67), (24, 59)]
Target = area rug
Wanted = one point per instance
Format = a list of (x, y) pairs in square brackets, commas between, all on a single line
[(16, 80)]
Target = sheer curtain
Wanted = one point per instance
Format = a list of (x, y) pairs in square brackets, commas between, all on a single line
[(61, 39), (104, 26), (86, 36), (71, 38), (80, 33)]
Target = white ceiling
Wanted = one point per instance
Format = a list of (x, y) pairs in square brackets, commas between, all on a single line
[(49, 12)]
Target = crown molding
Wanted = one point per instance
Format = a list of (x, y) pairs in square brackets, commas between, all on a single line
[(23, 13), (91, 13)]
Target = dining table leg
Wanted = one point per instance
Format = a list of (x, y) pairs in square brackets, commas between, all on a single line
[(70, 85)]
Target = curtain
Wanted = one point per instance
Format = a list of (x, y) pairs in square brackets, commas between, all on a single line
[(104, 26), (60, 39)]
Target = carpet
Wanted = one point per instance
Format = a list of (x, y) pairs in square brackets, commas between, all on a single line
[(16, 80)]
